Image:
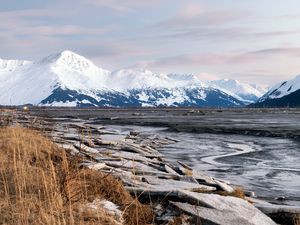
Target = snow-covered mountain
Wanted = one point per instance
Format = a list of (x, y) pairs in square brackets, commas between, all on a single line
[(68, 79), (33, 82), (11, 65), (244, 92), (283, 94), (140, 79), (198, 97)]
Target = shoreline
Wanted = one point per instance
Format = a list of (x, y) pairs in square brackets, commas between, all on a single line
[(279, 122), (142, 168)]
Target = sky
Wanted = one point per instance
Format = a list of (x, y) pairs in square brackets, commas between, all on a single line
[(255, 41)]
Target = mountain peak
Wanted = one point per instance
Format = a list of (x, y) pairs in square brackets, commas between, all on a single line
[(74, 61), (70, 60), (233, 87), (67, 54)]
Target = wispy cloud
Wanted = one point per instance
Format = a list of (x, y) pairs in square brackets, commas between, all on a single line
[(214, 59), (28, 32), (272, 51), (195, 15), (268, 54), (13, 20), (125, 6), (190, 59)]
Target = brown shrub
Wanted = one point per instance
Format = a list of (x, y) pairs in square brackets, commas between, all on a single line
[(238, 193), (41, 184)]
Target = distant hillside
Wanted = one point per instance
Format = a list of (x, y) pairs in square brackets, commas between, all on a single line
[(284, 94)]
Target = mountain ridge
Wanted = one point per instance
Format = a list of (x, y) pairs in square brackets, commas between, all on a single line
[(283, 94), (245, 92), (43, 81)]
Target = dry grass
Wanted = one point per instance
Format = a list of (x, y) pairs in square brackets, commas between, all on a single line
[(189, 172), (297, 220), (179, 220), (41, 184), (238, 193), (176, 221)]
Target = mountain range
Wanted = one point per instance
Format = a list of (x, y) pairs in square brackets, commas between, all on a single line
[(283, 94), (68, 79)]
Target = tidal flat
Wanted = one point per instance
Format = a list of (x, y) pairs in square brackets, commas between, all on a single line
[(256, 148), (175, 152)]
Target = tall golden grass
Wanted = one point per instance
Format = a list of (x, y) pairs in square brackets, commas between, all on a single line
[(42, 184)]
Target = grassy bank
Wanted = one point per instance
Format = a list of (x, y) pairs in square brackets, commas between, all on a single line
[(43, 184)]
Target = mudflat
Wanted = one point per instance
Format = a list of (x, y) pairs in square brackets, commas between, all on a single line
[(281, 122)]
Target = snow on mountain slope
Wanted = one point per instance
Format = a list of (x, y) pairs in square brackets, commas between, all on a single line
[(68, 79), (282, 89), (141, 79), (245, 92), (75, 72), (34, 82), (261, 88), (136, 79), (11, 65), (151, 97), (283, 94), (27, 85), (186, 80)]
